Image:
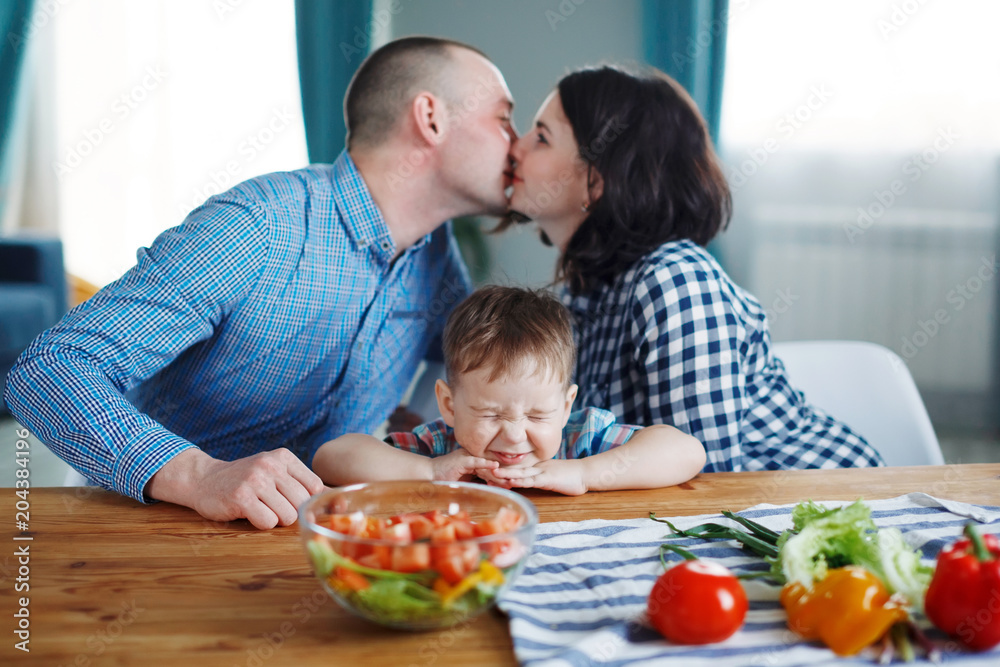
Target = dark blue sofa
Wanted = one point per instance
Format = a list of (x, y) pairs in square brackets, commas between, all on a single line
[(32, 295)]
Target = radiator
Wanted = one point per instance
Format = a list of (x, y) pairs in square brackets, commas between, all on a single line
[(921, 282)]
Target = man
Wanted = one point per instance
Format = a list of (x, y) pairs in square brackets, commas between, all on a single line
[(290, 310)]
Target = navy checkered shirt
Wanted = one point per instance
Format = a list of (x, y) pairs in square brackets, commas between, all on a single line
[(274, 316), (674, 341)]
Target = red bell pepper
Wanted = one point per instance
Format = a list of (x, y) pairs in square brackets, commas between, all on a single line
[(964, 596)]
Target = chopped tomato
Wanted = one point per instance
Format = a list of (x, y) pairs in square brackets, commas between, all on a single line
[(420, 526), (464, 530), (373, 528), (384, 556), (429, 540), (411, 558), (397, 532), (488, 527), (437, 517), (443, 535), (451, 568), (371, 560), (509, 519)]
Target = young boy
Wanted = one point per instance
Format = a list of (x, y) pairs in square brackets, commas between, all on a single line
[(505, 414)]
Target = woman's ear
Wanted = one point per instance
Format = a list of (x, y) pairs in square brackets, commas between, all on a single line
[(595, 185), (429, 117), (445, 401)]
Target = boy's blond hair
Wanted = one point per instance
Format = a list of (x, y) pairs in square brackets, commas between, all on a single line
[(501, 328)]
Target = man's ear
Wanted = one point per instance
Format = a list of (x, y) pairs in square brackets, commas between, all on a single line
[(430, 118), (570, 397), (445, 401)]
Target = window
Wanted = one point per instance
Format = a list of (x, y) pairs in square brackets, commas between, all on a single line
[(161, 104)]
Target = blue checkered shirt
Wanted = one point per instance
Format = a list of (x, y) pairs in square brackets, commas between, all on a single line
[(587, 432), (674, 341), (272, 317)]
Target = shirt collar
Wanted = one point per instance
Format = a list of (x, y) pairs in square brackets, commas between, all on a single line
[(361, 216)]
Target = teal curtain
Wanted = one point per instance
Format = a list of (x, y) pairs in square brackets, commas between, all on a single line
[(687, 40), (333, 37), (14, 15)]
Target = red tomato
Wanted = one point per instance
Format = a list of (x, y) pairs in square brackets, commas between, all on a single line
[(697, 602)]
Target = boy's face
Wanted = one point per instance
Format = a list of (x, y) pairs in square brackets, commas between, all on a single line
[(516, 421)]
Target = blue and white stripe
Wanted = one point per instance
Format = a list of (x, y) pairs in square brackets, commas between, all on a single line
[(582, 595)]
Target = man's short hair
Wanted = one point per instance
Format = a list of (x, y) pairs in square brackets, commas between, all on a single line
[(502, 328), (381, 90)]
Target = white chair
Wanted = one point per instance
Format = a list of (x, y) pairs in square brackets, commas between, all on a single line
[(869, 388)]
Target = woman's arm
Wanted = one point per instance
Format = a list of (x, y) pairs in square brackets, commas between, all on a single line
[(356, 457)]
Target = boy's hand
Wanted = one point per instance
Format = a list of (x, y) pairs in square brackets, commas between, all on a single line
[(562, 476), (453, 466)]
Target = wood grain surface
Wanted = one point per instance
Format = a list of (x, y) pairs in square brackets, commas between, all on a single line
[(113, 582)]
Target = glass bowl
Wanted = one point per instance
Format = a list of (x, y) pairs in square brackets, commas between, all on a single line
[(417, 555)]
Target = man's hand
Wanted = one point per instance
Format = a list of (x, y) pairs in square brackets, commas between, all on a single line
[(455, 465), (562, 476), (266, 488)]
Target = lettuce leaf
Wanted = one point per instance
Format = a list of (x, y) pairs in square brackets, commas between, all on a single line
[(828, 538)]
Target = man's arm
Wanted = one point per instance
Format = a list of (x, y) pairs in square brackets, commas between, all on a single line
[(68, 386)]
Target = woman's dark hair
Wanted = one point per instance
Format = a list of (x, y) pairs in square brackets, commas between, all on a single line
[(662, 180)]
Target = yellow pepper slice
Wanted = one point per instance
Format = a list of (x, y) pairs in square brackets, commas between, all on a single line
[(491, 573), (461, 588)]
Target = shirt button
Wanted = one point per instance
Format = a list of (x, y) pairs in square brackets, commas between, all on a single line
[(386, 245)]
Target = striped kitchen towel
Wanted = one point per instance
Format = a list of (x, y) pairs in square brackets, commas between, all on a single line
[(582, 595)]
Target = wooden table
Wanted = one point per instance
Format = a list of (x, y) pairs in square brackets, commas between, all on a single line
[(114, 582)]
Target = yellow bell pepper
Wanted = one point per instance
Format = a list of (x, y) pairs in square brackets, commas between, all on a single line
[(848, 609)]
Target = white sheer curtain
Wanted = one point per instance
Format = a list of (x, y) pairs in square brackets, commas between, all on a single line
[(862, 142), (160, 104)]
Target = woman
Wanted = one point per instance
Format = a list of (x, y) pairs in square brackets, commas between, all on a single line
[(620, 175)]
